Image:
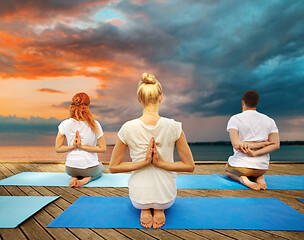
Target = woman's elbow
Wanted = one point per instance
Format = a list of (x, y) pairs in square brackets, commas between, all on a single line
[(102, 149), (112, 169), (191, 167)]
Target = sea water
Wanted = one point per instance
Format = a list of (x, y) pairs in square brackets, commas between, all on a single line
[(288, 153)]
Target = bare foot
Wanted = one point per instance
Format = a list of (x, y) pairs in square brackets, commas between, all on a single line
[(261, 182), (83, 181), (146, 219), (72, 182), (159, 218), (245, 181)]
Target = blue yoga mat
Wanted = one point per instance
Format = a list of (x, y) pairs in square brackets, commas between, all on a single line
[(215, 181), (186, 213), (274, 182), (61, 179), (301, 199), (16, 209)]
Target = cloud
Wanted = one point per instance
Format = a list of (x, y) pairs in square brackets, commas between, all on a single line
[(65, 105), (44, 10), (48, 90), (32, 125), (206, 54)]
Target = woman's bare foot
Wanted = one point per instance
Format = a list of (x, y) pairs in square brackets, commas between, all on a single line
[(245, 181), (261, 182), (146, 219), (73, 182), (83, 181), (159, 218)]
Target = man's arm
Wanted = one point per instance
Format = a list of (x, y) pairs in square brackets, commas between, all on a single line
[(242, 146), (273, 138)]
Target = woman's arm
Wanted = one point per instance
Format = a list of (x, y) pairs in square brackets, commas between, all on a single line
[(185, 165), (100, 148), (116, 164), (59, 144), (241, 146), (274, 138)]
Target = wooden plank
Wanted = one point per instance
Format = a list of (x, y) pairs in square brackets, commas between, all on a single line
[(14, 191), (67, 195), (118, 192), (261, 234), (3, 191), (105, 192), (49, 167), (60, 202), (135, 234), (110, 234), (161, 234), (12, 167), (12, 234), (63, 203), (33, 230), (5, 172), (70, 195), (7, 233), (89, 191), (185, 234), (288, 234), (236, 234), (85, 233), (195, 193), (30, 227), (210, 234), (43, 218)]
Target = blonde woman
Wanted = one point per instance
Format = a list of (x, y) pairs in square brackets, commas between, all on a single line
[(151, 140), (85, 139)]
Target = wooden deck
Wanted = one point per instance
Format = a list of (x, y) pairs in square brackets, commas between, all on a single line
[(34, 227)]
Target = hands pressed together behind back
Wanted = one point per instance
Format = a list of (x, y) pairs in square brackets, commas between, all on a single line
[(152, 157), (152, 154), (77, 140)]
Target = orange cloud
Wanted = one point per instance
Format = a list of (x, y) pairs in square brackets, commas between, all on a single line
[(48, 90), (44, 11), (9, 41)]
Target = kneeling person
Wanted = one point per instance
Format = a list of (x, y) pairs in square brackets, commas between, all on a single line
[(253, 136)]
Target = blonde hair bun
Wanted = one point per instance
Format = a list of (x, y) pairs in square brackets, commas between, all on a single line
[(148, 78)]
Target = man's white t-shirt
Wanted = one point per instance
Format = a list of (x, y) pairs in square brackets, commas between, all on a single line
[(151, 184), (79, 158), (253, 127)]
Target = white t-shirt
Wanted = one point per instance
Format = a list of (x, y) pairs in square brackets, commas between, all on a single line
[(253, 127), (79, 158), (150, 184)]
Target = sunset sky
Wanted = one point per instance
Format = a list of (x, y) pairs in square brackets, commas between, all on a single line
[(206, 54)]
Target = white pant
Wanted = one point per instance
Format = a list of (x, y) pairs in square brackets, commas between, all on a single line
[(153, 205)]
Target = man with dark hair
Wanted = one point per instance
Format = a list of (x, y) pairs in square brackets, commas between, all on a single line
[(253, 136), (251, 98)]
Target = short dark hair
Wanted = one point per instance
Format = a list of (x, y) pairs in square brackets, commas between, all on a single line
[(251, 98)]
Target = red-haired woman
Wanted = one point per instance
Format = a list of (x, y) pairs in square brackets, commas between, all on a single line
[(84, 140)]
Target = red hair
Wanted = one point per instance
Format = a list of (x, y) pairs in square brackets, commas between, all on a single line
[(79, 110)]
